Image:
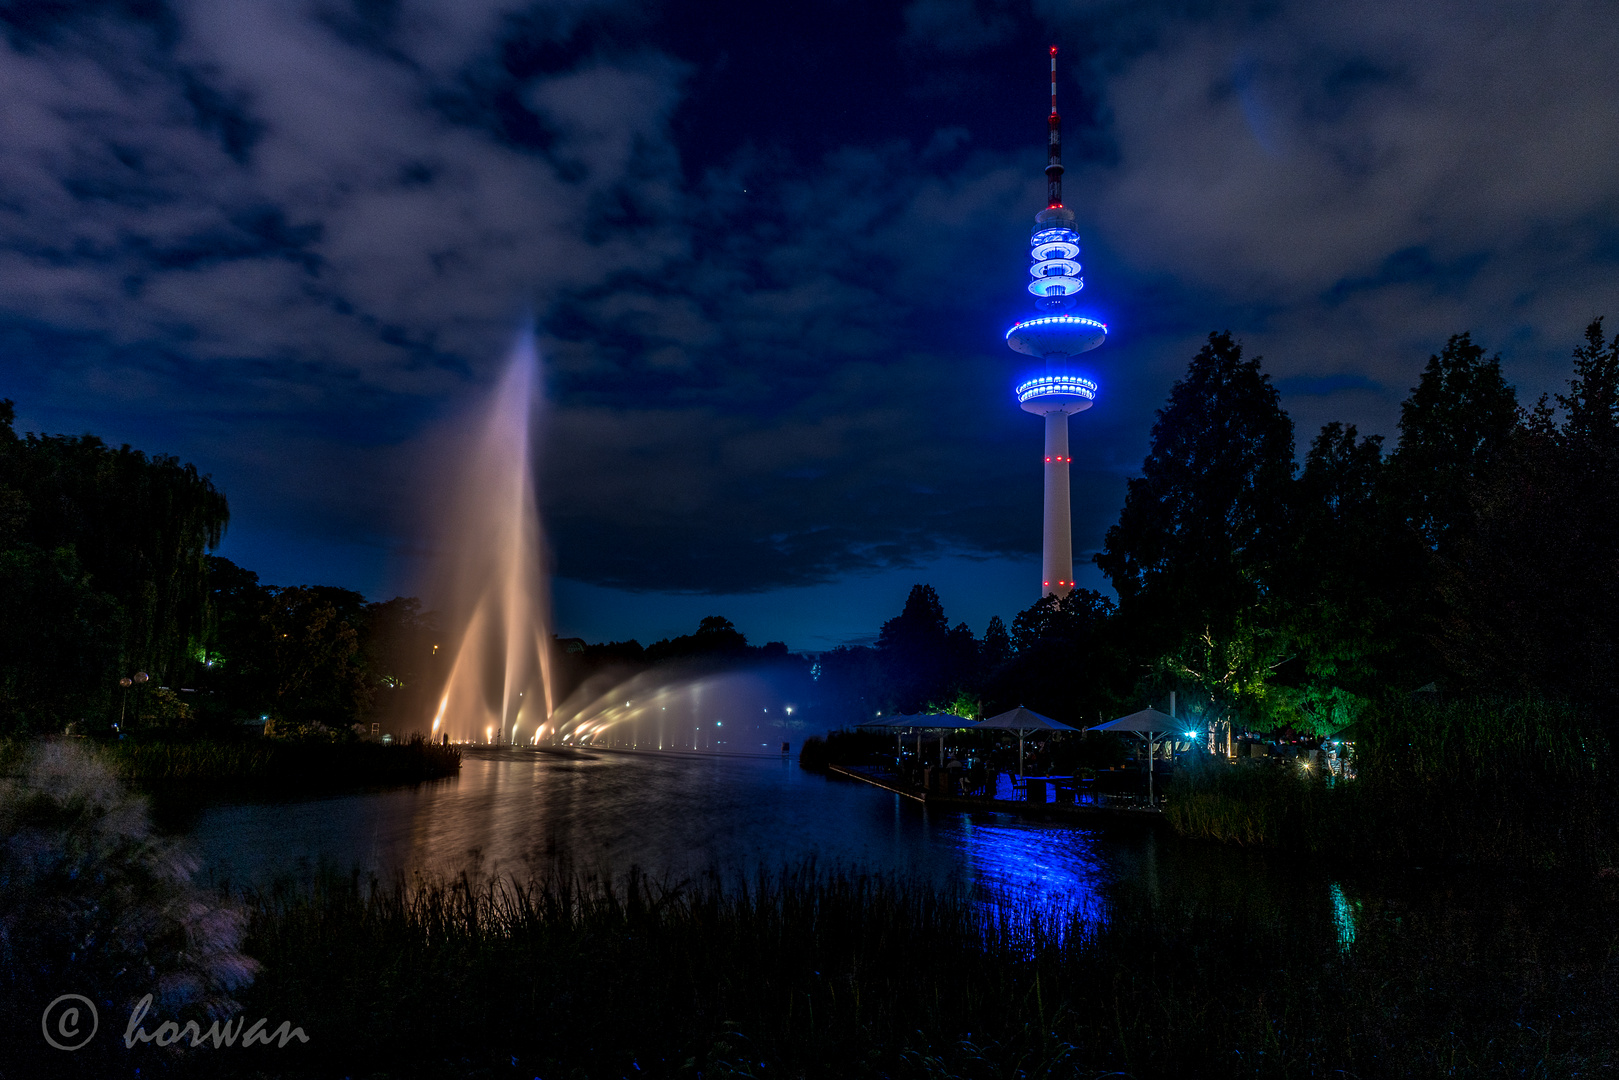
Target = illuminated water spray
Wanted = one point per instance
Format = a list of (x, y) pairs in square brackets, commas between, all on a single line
[(499, 685)]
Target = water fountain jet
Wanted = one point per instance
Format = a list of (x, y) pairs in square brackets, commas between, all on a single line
[(494, 584)]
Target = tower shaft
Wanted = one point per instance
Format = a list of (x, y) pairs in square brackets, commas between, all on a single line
[(1057, 550)]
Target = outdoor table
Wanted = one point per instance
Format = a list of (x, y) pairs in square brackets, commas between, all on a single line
[(1034, 787)]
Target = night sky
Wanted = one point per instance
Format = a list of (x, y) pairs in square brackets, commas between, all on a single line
[(771, 251)]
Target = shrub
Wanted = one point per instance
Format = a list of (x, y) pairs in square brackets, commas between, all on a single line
[(93, 902), (1253, 803), (284, 763)]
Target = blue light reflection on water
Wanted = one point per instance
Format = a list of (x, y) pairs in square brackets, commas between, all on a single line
[(1058, 865), (677, 817)]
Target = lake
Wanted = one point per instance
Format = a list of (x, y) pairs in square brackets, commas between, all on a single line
[(672, 815), (679, 816)]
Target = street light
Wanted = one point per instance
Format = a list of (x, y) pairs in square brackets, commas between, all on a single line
[(123, 699)]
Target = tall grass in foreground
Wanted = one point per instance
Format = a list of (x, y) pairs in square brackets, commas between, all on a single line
[(815, 974), (93, 901), (1521, 783), (292, 764)]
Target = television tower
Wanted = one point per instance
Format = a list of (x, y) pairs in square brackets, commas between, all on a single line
[(1057, 336)]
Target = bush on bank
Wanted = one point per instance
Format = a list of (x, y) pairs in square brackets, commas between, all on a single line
[(94, 902), (272, 761), (1521, 782)]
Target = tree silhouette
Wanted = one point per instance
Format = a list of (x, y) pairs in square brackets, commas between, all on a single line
[(1204, 528), (914, 648)]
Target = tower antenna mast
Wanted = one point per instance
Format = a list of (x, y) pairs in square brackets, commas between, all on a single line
[(1054, 143)]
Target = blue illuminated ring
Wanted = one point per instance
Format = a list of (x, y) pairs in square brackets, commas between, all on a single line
[(1055, 249), (1048, 267), (1071, 320), (1056, 286), (1056, 335), (1055, 385)]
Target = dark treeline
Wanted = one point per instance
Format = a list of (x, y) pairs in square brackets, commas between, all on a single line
[(1475, 557), (716, 642), (105, 572)]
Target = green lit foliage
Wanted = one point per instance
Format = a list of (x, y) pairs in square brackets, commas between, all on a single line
[(1333, 592), (1205, 529), (1516, 782), (963, 703), (1233, 670)]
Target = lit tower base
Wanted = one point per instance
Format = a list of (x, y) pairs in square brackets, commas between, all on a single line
[(1057, 336)]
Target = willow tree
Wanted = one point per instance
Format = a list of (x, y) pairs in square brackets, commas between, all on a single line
[(138, 527)]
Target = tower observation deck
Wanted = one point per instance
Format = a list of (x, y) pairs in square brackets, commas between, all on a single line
[(1057, 335)]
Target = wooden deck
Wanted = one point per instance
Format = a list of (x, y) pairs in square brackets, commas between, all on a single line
[(1063, 811)]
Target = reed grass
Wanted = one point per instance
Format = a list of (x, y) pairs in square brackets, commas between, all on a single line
[(825, 974), (1521, 783)]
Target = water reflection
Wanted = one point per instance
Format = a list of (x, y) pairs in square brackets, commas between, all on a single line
[(520, 811), (1343, 916), (1061, 866), (680, 816)]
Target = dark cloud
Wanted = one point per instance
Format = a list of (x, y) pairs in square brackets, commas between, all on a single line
[(771, 250)]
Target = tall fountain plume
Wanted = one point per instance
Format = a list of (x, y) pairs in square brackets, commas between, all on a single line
[(494, 577)]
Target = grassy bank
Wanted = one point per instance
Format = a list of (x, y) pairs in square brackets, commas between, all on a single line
[(805, 974), (278, 763), (1526, 784), (828, 975)]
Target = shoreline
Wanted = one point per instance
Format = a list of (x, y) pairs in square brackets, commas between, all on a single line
[(1063, 811), (586, 752)]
